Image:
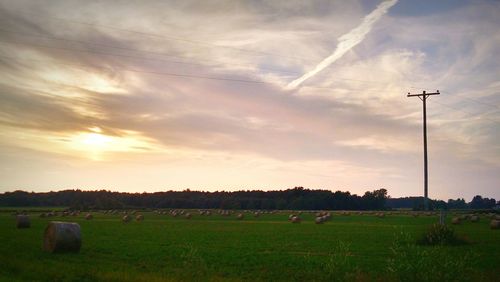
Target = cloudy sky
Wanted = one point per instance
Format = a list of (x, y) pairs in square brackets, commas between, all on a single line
[(212, 95)]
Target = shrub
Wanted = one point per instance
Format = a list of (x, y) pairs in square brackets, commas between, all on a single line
[(440, 234), (411, 262)]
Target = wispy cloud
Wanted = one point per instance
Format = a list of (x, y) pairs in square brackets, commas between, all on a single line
[(347, 41)]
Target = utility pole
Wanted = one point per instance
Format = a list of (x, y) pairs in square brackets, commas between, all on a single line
[(424, 97)]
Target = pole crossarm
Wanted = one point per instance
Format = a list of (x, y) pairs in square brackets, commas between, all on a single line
[(423, 94), (424, 97)]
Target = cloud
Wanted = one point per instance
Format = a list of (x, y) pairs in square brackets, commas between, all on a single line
[(347, 41)]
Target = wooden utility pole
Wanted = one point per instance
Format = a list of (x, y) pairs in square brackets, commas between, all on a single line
[(424, 97)]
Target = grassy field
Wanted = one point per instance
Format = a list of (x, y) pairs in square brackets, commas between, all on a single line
[(268, 248)]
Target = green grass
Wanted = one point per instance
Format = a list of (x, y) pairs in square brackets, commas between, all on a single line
[(268, 248)]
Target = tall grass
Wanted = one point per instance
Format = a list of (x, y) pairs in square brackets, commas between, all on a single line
[(412, 262)]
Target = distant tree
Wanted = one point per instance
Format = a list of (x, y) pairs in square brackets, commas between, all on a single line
[(479, 202), (457, 204), (476, 203), (297, 198), (374, 200)]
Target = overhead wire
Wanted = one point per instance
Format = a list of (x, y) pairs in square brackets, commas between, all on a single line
[(190, 63)]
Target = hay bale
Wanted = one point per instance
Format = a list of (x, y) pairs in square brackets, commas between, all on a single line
[(296, 219), (139, 217), (455, 220), (126, 218), (23, 221), (62, 237), (474, 218), (494, 224), (89, 216)]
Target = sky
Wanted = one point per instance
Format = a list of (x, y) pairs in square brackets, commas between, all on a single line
[(145, 96)]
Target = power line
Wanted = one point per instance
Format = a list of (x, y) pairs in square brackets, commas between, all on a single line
[(148, 52), (154, 59), (99, 52), (171, 37), (171, 74), (179, 39), (467, 112), (465, 97), (132, 50), (155, 73)]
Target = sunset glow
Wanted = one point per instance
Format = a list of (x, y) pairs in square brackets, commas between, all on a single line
[(249, 95)]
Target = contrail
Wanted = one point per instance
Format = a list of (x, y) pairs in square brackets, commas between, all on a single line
[(347, 41)]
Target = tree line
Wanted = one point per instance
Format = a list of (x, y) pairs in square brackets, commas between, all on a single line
[(297, 198)]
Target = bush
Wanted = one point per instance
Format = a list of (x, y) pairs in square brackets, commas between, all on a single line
[(440, 234), (411, 262)]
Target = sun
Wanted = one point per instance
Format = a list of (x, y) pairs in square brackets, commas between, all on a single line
[(93, 143), (96, 140), (96, 145)]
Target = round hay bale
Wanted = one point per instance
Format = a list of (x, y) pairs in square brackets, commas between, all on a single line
[(187, 215), (60, 237), (126, 218), (295, 219), (474, 218), (240, 216), (319, 220), (455, 220), (89, 216), (23, 221), (139, 217), (495, 224)]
